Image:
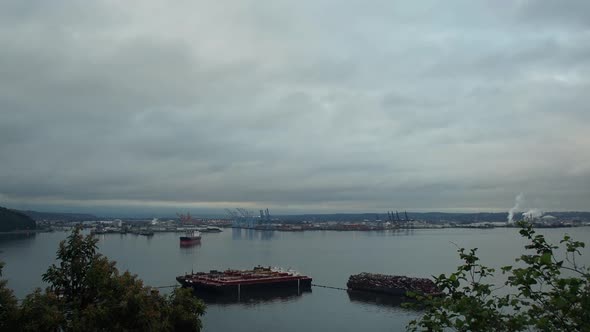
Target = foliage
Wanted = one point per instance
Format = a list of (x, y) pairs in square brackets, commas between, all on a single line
[(8, 305), (40, 312), (544, 292), (87, 293), (183, 310)]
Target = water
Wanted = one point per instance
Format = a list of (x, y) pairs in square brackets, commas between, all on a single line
[(327, 256)]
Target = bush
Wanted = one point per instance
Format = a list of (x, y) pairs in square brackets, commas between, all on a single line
[(87, 293), (546, 293)]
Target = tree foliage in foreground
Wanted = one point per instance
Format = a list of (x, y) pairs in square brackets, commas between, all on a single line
[(545, 292), (87, 293)]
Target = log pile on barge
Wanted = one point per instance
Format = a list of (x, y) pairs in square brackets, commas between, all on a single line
[(392, 285), (237, 281)]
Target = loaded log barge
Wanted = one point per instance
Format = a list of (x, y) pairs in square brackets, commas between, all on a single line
[(391, 285), (237, 281)]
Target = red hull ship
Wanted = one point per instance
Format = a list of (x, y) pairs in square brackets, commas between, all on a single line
[(190, 238)]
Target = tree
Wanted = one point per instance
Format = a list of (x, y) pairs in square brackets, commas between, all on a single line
[(40, 312), (12, 220), (8, 305), (545, 292), (183, 310), (87, 293)]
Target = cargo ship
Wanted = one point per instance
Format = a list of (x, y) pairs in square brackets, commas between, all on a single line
[(190, 238), (237, 281)]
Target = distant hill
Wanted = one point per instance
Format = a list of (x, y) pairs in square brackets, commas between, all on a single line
[(11, 220), (58, 216), (432, 217)]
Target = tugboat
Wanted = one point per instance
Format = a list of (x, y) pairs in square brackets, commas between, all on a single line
[(190, 238), (98, 230), (147, 232), (211, 229)]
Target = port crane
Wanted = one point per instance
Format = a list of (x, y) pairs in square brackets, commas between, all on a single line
[(244, 213), (264, 215), (184, 218), (238, 213), (241, 217), (231, 213), (407, 219), (396, 218)]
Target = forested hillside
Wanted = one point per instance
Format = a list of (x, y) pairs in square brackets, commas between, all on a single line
[(11, 220)]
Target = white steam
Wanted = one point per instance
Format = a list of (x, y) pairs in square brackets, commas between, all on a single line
[(518, 202), (532, 214)]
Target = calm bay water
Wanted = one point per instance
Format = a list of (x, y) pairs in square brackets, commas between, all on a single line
[(327, 256)]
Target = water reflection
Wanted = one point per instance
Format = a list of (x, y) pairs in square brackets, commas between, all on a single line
[(252, 234), (266, 235), (378, 299), (252, 298), (189, 248), (402, 232), (6, 238), (236, 233)]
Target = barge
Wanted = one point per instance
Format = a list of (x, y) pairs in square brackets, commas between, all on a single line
[(391, 285), (237, 281)]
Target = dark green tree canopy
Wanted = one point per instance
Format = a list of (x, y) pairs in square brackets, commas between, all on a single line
[(543, 292), (11, 220), (87, 293)]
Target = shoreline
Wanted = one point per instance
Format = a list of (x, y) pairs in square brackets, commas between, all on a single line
[(26, 231)]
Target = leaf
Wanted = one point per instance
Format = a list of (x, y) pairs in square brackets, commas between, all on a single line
[(540, 300)]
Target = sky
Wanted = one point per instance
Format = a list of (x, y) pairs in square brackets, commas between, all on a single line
[(297, 106)]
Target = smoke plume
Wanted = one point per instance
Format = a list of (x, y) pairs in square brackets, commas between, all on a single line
[(517, 205), (532, 214)]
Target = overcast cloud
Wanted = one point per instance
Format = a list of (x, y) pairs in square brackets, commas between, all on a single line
[(295, 105)]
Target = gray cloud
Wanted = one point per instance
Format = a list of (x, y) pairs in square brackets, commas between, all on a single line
[(549, 12), (296, 106)]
